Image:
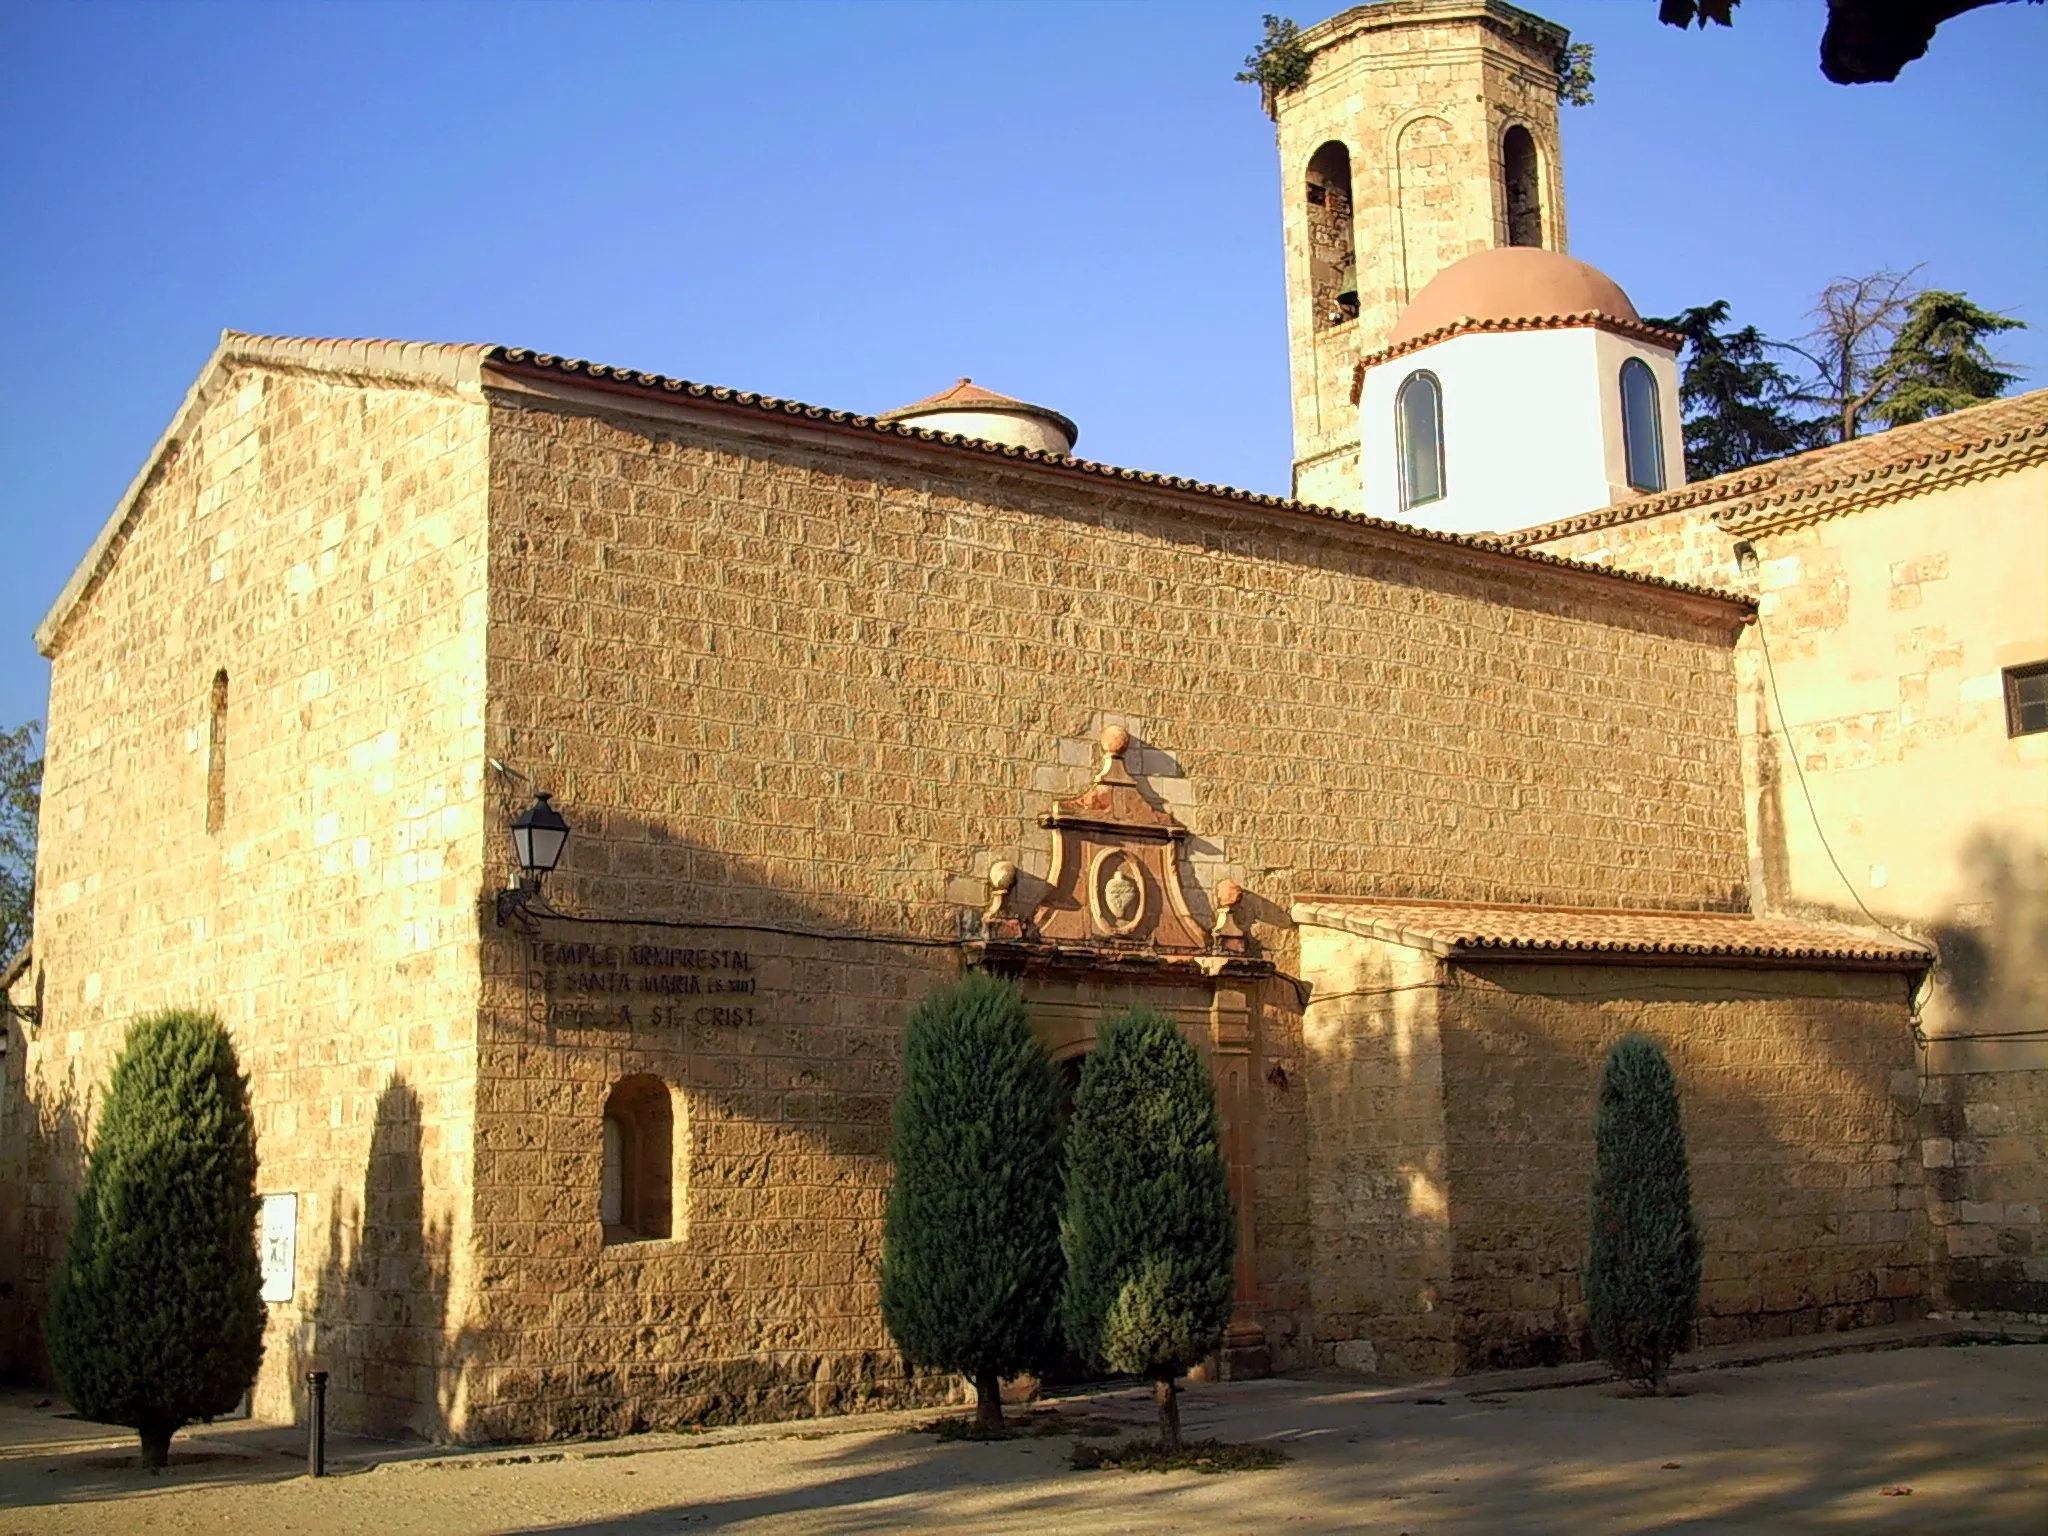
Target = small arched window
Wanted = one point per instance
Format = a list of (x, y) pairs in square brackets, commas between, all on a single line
[(1332, 258), (217, 754), (1642, 426), (636, 1190), (1419, 429), (1521, 175)]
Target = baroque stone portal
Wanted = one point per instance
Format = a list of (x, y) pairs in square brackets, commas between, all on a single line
[(1112, 930), (1113, 897)]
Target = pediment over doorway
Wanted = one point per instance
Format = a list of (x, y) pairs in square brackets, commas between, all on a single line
[(1113, 899)]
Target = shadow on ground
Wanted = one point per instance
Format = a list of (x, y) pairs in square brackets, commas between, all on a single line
[(1808, 1445)]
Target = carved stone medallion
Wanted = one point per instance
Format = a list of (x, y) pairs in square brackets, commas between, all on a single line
[(1117, 893)]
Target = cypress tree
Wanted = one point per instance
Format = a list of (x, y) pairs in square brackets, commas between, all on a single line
[(970, 1237), (1643, 1274), (156, 1315), (1148, 1232)]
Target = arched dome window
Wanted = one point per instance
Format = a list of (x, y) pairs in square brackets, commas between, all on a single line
[(1332, 258), (1521, 176), (1419, 428), (636, 1189), (1642, 426)]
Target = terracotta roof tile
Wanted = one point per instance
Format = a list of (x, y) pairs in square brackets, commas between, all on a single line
[(1993, 438), (1479, 931), (963, 396)]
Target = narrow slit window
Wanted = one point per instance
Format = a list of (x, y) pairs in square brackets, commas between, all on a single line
[(217, 754), (2026, 699), (1419, 425), (1642, 429)]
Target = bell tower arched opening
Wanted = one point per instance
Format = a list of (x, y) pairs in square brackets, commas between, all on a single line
[(1333, 256), (1521, 171)]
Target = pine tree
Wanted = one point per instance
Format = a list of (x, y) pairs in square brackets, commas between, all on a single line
[(1643, 1274), (1939, 363), (970, 1238), (156, 1316), (1148, 1232)]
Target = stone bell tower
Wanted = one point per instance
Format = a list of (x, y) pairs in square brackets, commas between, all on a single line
[(1427, 130)]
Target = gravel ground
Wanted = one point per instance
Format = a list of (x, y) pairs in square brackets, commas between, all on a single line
[(1829, 1444)]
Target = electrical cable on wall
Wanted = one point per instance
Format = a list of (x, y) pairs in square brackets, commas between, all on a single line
[(1316, 998), (840, 936)]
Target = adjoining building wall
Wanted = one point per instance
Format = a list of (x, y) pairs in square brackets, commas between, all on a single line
[(1378, 1174), (26, 1148), (302, 859), (1890, 616), (1799, 1098), (1452, 1148), (1422, 94)]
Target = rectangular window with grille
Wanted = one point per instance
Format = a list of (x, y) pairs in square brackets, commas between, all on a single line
[(2026, 699)]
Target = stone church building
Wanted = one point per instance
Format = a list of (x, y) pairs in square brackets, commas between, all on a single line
[(1404, 814)]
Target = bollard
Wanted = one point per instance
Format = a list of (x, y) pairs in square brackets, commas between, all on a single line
[(316, 1423)]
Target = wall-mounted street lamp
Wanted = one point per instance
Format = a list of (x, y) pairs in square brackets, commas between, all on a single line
[(539, 834)]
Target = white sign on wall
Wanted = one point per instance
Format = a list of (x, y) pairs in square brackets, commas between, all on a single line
[(279, 1245)]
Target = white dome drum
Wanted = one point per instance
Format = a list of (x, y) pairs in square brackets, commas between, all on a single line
[(1519, 385)]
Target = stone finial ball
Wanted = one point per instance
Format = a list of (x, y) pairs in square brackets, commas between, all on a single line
[(1002, 875), (1115, 740), (1228, 894)]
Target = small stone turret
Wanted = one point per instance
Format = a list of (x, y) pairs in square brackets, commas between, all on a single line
[(968, 410)]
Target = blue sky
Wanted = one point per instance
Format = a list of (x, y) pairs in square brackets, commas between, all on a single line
[(855, 203)]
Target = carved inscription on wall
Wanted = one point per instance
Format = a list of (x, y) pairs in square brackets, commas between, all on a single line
[(595, 984)]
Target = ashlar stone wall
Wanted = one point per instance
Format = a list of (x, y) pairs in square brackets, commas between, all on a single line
[(1377, 1170), (787, 682), (321, 541), (794, 687)]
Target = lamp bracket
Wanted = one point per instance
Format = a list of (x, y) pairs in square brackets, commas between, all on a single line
[(514, 901)]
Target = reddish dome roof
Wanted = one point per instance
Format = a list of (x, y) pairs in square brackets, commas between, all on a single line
[(970, 396), (1512, 282)]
